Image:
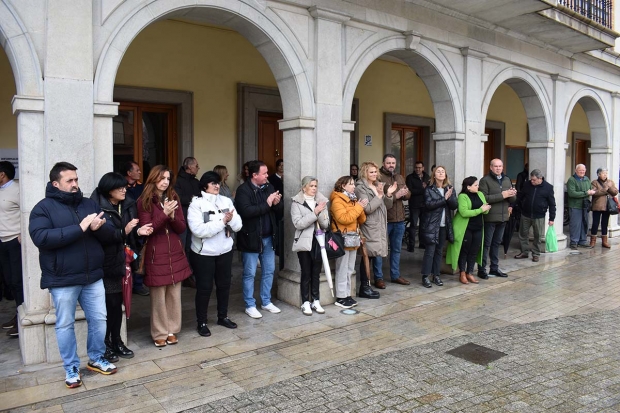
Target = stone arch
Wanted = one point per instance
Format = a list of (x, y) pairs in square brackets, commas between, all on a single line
[(254, 22), (533, 96), (432, 69), (20, 50), (598, 120)]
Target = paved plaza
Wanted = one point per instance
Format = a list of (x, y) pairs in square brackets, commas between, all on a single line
[(554, 324)]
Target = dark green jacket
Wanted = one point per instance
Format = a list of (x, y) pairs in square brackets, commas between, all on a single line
[(492, 191), (577, 191)]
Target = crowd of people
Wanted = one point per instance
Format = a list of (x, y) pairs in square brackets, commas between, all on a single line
[(185, 228)]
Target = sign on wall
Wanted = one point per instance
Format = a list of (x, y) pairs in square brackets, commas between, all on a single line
[(11, 156)]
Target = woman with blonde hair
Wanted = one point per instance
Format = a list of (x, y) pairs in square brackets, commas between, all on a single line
[(374, 230), (165, 264), (225, 190), (347, 216), (308, 210), (436, 225)]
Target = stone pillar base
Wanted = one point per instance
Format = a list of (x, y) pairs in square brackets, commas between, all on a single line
[(289, 288)]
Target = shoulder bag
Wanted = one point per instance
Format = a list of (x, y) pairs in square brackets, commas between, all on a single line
[(351, 239), (334, 244), (612, 206)]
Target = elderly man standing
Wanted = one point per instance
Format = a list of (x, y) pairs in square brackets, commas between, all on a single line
[(67, 229), (579, 190), (499, 193), (396, 221), (535, 198)]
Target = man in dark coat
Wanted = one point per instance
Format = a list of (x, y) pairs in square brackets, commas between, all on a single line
[(67, 229), (416, 182), (187, 186), (257, 202), (535, 197)]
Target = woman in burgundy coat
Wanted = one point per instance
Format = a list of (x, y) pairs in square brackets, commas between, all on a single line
[(165, 264)]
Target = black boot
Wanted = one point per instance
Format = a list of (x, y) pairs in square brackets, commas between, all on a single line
[(410, 247), (109, 354), (367, 292), (437, 280), (425, 282), (120, 349)]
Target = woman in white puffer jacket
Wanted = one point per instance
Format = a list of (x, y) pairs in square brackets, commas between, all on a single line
[(212, 219), (308, 208)]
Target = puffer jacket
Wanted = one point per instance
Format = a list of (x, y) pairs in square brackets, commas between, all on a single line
[(250, 202), (492, 191), (210, 238), (397, 212), (347, 215), (434, 205), (164, 256), (602, 188), (374, 230), (304, 220), (67, 255), (114, 246)]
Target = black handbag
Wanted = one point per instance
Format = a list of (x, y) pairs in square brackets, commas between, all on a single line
[(612, 207), (587, 204), (334, 246)]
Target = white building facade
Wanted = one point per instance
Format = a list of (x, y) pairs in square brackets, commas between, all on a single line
[(65, 57)]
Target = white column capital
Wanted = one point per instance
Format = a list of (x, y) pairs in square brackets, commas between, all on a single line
[(615, 95), (297, 123), (600, 150), (448, 136), (468, 51), (412, 39), (328, 14), (348, 125), (532, 145), (105, 109), (28, 104), (559, 78)]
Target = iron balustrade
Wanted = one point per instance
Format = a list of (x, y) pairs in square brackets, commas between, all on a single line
[(599, 11)]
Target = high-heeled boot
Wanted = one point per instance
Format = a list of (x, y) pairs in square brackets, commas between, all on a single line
[(606, 242), (367, 292)]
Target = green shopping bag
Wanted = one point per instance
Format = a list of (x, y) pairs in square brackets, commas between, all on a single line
[(551, 240)]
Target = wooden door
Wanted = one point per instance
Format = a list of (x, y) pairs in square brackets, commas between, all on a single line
[(581, 153), (492, 148), (270, 139), (407, 146)]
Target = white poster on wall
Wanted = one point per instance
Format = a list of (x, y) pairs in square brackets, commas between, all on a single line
[(11, 156)]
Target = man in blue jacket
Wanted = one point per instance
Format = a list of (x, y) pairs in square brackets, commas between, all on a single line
[(67, 229)]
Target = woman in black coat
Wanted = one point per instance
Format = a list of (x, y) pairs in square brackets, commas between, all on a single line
[(121, 213), (436, 224)]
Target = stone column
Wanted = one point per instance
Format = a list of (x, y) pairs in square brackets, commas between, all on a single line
[(102, 138), (474, 123), (555, 173), (614, 228), (449, 147)]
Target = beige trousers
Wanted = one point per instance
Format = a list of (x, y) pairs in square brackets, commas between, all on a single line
[(165, 311)]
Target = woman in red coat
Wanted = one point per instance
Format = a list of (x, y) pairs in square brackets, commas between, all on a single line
[(165, 264)]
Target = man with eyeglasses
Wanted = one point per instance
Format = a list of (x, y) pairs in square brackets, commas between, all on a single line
[(535, 198), (416, 182)]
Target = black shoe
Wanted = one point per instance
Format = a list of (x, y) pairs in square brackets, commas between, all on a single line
[(351, 301), (141, 291), (437, 280), (498, 273), (343, 302), (226, 322), (410, 248), (121, 350), (482, 274), (110, 355), (203, 330), (367, 292), (573, 246), (585, 246), (425, 282)]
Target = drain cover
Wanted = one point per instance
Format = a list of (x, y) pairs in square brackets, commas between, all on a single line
[(476, 354), (349, 311)]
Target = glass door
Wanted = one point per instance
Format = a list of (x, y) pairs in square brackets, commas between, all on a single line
[(406, 146)]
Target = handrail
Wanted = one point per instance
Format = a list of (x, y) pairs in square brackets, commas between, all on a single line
[(599, 11)]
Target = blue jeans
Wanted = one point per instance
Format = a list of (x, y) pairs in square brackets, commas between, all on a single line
[(92, 300), (268, 265), (396, 231)]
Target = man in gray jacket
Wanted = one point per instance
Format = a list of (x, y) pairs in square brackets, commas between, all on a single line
[(499, 193)]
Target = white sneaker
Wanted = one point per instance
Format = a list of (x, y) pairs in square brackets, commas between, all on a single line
[(316, 306), (253, 312), (305, 308), (271, 308)]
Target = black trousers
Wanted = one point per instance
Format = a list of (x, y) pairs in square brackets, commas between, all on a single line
[(433, 254), (601, 217), (11, 261), (310, 276), (208, 269), (114, 321), (472, 240), (414, 218)]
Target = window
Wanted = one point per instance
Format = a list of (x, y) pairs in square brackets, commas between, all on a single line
[(406, 146)]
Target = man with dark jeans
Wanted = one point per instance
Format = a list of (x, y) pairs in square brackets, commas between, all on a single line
[(499, 193), (10, 239), (416, 183)]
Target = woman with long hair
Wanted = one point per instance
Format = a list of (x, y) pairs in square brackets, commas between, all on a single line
[(308, 209), (347, 216), (225, 190), (212, 220), (165, 264), (468, 226), (604, 187), (119, 211), (374, 230), (436, 226)]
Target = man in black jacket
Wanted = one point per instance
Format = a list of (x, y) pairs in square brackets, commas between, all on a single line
[(187, 186), (416, 182), (535, 198), (67, 229), (258, 203)]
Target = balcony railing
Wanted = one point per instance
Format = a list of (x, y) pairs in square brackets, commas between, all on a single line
[(599, 11)]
